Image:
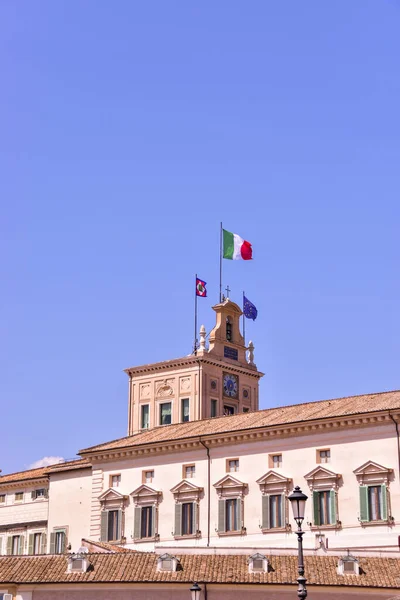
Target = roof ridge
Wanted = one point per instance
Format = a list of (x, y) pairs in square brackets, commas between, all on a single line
[(24, 471)]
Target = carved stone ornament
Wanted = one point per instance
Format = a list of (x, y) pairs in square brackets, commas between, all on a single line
[(145, 390), (165, 389), (185, 384)]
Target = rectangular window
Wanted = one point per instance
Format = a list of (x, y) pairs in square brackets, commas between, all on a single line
[(228, 410), (145, 416), (275, 461), (2, 498), (15, 546), (187, 518), (37, 543), (189, 471), (59, 542), (113, 525), (375, 502), (115, 480), (275, 511), (19, 496), (147, 476), (324, 456), (165, 413), (214, 408), (324, 507), (245, 409), (146, 524), (231, 510), (185, 409), (40, 493), (232, 465)]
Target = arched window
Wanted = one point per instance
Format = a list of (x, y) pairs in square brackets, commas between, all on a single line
[(228, 329)]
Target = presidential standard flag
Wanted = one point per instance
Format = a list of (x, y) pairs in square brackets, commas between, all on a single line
[(249, 310), (201, 288), (235, 247)]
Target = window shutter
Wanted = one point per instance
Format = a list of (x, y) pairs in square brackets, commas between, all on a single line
[(46, 493), (119, 524), (384, 502), (196, 525), (65, 540), (178, 519), (33, 495), (137, 523), (53, 543), (332, 506), (21, 548), (221, 515), (9, 545), (43, 544), (364, 508), (104, 526), (316, 507), (153, 521), (30, 544), (1, 544), (265, 511), (239, 513)]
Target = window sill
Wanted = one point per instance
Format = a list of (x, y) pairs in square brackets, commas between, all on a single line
[(333, 526), (192, 536), (287, 529), (229, 533), (387, 522), (155, 538)]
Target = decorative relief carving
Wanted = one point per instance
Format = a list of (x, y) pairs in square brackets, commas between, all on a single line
[(186, 384), (165, 389), (145, 390)]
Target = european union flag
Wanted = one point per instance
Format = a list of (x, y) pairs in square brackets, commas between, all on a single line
[(249, 310)]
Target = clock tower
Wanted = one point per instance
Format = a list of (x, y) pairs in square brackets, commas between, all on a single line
[(217, 380)]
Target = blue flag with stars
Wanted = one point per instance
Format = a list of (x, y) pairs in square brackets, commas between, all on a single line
[(249, 310)]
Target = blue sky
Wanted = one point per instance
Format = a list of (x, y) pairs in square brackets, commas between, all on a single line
[(129, 130)]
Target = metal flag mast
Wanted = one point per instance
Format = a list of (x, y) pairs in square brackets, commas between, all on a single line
[(244, 323), (195, 317), (220, 264)]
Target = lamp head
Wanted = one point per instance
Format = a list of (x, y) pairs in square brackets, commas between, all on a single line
[(298, 502), (195, 590)]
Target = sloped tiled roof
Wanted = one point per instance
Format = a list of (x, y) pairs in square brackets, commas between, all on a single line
[(92, 546), (271, 417), (141, 567), (70, 465), (25, 475)]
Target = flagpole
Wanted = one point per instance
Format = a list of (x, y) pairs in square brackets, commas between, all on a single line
[(244, 323), (220, 264), (195, 318)]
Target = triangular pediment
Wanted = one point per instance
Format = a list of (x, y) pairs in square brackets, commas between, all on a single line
[(144, 490), (185, 486), (111, 494), (272, 477), (229, 482), (372, 467), (321, 473)]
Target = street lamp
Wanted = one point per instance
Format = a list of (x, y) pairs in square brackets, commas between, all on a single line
[(195, 590), (298, 502)]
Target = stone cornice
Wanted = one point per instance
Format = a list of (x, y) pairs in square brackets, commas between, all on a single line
[(24, 483), (193, 361), (219, 439)]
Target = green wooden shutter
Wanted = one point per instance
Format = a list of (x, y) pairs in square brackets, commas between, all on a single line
[(119, 523), (265, 511), (153, 521), (33, 495), (46, 493), (364, 508), (137, 523), (221, 515), (30, 544), (21, 549), (384, 499), (104, 526), (196, 525), (178, 519), (65, 540), (9, 545), (43, 544), (239, 514), (316, 508), (53, 542), (332, 507)]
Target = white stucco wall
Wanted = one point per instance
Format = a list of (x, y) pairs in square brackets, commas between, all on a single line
[(69, 504)]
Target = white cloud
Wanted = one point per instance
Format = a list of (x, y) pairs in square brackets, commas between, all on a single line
[(46, 461)]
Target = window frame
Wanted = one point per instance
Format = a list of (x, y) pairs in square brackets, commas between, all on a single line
[(160, 408), (228, 465), (18, 499), (144, 476), (111, 483), (142, 407), (213, 408), (184, 471), (323, 460), (183, 400), (271, 463)]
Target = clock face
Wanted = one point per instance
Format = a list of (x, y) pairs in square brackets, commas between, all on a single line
[(230, 385)]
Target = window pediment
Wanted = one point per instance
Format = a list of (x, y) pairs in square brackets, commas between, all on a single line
[(185, 490), (145, 494), (230, 486), (112, 497), (372, 472), (320, 477), (273, 481)]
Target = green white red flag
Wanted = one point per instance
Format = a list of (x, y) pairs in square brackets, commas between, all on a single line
[(235, 247)]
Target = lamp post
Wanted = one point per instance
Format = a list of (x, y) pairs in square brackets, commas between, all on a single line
[(298, 502), (195, 590)]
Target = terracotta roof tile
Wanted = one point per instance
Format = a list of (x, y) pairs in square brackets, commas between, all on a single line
[(271, 417), (70, 465), (25, 475), (92, 546), (139, 567)]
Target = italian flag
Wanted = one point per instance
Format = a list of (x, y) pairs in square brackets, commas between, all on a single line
[(235, 248)]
